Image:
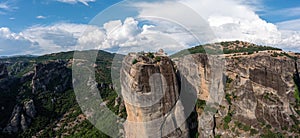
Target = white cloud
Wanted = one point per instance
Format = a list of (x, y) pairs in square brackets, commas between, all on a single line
[(290, 37), (289, 25), (7, 6), (40, 17), (55, 38), (85, 2), (14, 44), (288, 12), (232, 20), (151, 29), (41, 39), (4, 6), (128, 36)]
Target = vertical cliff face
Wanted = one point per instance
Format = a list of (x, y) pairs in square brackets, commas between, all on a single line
[(203, 75), (55, 72), (260, 96), (151, 94)]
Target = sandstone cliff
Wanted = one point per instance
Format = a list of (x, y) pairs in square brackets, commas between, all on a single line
[(151, 94), (240, 95)]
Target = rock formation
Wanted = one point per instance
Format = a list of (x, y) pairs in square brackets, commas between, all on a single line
[(254, 92), (260, 92), (55, 72), (203, 75), (151, 94), (21, 118), (3, 71)]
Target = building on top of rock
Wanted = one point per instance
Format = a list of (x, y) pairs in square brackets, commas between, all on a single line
[(160, 52)]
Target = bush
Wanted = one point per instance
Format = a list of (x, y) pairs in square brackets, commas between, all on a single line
[(246, 128), (150, 55), (227, 119), (158, 59), (253, 132), (200, 104), (134, 61), (226, 126), (228, 98)]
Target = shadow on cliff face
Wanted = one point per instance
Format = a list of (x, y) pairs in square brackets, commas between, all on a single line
[(188, 97)]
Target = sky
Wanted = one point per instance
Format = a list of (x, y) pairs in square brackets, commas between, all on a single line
[(39, 27)]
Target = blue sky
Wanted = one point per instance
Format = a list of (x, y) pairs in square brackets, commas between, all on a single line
[(34, 27), (280, 10), (24, 13)]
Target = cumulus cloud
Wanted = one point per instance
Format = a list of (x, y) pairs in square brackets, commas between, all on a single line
[(151, 29), (128, 36), (14, 44), (41, 39), (85, 2), (233, 20), (55, 38)]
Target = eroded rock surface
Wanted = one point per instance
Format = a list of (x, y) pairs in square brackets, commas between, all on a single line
[(21, 118), (55, 72), (151, 94)]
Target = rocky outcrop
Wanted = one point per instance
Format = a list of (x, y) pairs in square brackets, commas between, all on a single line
[(203, 75), (259, 97), (55, 72), (29, 108), (3, 71), (21, 117), (151, 95)]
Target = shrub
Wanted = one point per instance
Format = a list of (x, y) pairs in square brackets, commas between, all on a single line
[(134, 61), (253, 132), (227, 119), (200, 104), (226, 126), (228, 98), (150, 55), (158, 59), (246, 127)]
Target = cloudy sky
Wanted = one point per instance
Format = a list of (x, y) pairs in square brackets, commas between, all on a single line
[(46, 26)]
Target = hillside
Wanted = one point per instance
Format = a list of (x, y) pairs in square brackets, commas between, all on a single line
[(37, 99), (230, 47), (260, 92)]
